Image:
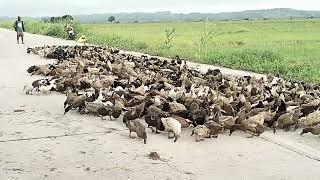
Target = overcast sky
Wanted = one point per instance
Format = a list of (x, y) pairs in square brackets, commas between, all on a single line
[(61, 7)]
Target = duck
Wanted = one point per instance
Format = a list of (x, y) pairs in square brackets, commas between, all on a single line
[(104, 111), (134, 113), (314, 130), (77, 102), (311, 120), (227, 121), (185, 123), (129, 85), (253, 128), (117, 109), (176, 108), (253, 125), (141, 90), (310, 107), (215, 128), (281, 109), (198, 116), (153, 118), (92, 107), (286, 120)]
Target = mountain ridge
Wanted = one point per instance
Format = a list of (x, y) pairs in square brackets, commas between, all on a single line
[(167, 16)]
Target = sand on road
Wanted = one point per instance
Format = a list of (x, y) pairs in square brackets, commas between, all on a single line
[(41, 143)]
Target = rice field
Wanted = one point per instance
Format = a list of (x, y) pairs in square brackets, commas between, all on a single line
[(288, 47)]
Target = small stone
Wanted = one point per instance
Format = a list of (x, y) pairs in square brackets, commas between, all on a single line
[(19, 110), (154, 156), (53, 169)]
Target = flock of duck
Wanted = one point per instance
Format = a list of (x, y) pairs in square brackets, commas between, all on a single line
[(171, 96)]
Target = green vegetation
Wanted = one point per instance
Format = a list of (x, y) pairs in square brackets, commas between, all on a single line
[(49, 29), (167, 16), (288, 47)]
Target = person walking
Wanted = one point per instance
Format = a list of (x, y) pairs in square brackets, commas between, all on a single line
[(19, 28)]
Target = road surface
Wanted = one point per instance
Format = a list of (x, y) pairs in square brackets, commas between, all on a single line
[(39, 142)]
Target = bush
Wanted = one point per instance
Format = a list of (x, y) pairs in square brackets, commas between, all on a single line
[(6, 24), (48, 29), (56, 30)]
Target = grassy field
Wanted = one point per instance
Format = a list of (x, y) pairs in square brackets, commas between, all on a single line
[(288, 47)]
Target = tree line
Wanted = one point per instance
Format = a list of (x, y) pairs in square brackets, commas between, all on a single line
[(57, 19)]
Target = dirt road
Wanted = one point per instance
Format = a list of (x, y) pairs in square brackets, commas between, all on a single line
[(38, 142)]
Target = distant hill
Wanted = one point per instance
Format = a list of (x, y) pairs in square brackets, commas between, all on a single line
[(4, 18), (167, 16)]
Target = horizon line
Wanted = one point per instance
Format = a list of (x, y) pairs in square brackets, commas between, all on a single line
[(167, 11)]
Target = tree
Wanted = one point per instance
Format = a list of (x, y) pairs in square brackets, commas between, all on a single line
[(111, 19), (67, 17)]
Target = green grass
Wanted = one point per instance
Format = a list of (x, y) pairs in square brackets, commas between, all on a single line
[(288, 47)]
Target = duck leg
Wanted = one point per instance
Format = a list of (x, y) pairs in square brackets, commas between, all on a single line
[(290, 127), (192, 133), (286, 129), (130, 134), (37, 88), (249, 134), (82, 111), (232, 129), (169, 135), (295, 127), (274, 129), (215, 136), (175, 138), (67, 109), (157, 132), (152, 129), (274, 126)]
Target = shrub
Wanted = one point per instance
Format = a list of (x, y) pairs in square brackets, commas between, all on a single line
[(56, 30)]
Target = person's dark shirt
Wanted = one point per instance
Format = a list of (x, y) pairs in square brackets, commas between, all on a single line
[(19, 26)]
